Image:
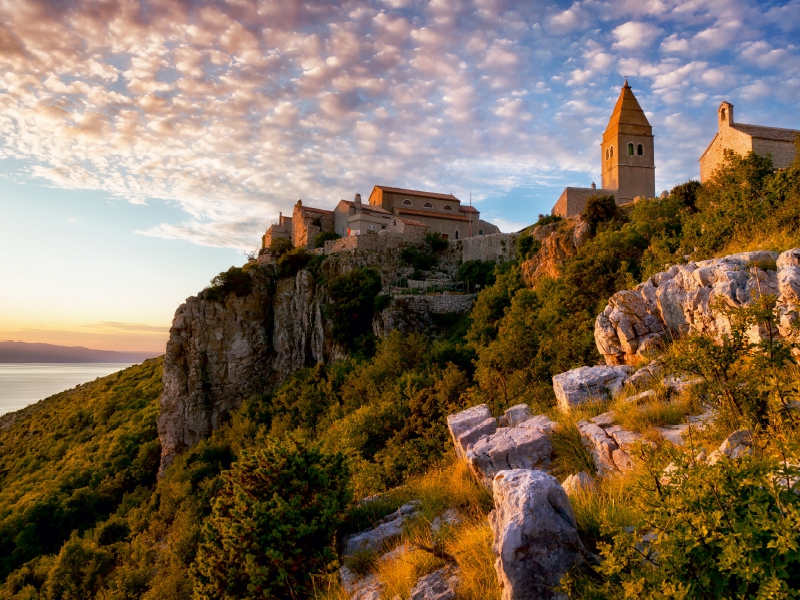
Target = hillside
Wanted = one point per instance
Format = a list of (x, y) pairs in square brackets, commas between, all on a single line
[(291, 426), (23, 352)]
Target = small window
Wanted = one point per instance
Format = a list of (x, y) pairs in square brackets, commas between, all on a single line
[(456, 233), (428, 205), (407, 202), (640, 150), (447, 207), (480, 231), (630, 149), (370, 226), (341, 230), (611, 150)]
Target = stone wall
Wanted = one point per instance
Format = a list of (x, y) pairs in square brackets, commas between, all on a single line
[(726, 139), (498, 247), (782, 152)]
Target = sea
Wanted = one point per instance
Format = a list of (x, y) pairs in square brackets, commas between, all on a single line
[(22, 384)]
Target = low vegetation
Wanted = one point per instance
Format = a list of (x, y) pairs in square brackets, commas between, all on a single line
[(256, 509)]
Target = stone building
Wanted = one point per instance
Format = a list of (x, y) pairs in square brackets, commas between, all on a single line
[(308, 223), (627, 159), (281, 229), (742, 138), (354, 217), (442, 213)]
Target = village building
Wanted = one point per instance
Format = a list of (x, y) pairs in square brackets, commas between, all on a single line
[(627, 159), (281, 229), (354, 217), (441, 213), (742, 138), (308, 223)]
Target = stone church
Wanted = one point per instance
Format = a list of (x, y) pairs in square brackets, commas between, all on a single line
[(627, 160), (743, 138)]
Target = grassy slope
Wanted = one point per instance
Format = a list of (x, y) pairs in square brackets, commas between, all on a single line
[(66, 462)]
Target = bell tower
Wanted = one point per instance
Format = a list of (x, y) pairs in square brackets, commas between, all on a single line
[(627, 151)]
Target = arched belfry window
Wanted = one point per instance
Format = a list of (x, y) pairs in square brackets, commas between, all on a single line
[(428, 205), (607, 154), (630, 149), (456, 233), (407, 201), (612, 151), (448, 207), (640, 150), (722, 115)]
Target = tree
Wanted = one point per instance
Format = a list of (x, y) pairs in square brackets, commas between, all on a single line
[(353, 303), (280, 246), (598, 210), (324, 236), (272, 523)]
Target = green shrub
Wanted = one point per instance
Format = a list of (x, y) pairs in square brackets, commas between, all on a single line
[(527, 246), (292, 262), (353, 304), (272, 523), (547, 220), (324, 236), (235, 280), (729, 530), (436, 242), (599, 209), (686, 194), (280, 246), (421, 260), (477, 272)]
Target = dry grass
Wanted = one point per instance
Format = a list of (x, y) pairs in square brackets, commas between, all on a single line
[(658, 412), (569, 455), (471, 544), (776, 240), (400, 574)]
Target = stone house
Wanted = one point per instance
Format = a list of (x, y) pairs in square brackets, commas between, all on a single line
[(743, 138), (355, 217), (281, 229), (627, 159), (441, 213), (308, 223)]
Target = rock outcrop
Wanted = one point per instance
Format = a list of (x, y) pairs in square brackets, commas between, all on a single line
[(220, 352), (560, 241), (608, 443), (587, 383), (685, 299), (439, 585), (387, 530), (535, 534), (468, 426)]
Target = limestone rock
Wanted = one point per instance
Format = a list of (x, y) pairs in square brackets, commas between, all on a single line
[(560, 241), (607, 443), (541, 422), (449, 518), (644, 396), (360, 588), (535, 534), (683, 299), (736, 445), (586, 383), (388, 529), (679, 385), (645, 375), (581, 482), (509, 448), (515, 415), (439, 585), (468, 426)]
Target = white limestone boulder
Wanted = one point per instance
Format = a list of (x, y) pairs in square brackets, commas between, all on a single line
[(583, 384), (684, 299), (608, 444), (360, 588), (515, 415), (736, 445), (509, 448), (579, 482), (468, 426), (449, 518), (388, 529), (535, 537), (439, 585)]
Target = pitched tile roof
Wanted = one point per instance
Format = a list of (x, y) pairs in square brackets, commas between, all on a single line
[(432, 215), (769, 133), (395, 190), (412, 222), (368, 207)]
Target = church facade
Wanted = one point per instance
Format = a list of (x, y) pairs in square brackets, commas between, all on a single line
[(627, 159), (742, 138)]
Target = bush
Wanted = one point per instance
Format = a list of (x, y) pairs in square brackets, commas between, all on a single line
[(527, 246), (599, 209), (292, 262), (436, 242), (233, 281), (353, 304), (272, 523), (280, 246), (419, 259), (324, 236), (686, 194), (477, 272)]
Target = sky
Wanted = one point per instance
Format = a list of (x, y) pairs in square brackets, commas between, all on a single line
[(145, 145)]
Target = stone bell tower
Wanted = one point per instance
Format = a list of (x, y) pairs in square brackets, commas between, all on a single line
[(627, 157)]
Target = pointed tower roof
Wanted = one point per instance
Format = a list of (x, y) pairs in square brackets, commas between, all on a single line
[(628, 116)]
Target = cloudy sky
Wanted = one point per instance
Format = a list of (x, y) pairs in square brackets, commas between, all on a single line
[(144, 144)]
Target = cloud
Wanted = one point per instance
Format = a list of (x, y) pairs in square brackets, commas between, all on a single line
[(633, 35)]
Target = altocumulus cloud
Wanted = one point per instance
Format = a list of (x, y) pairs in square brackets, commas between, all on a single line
[(233, 110)]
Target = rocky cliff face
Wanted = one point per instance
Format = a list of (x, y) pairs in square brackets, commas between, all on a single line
[(560, 241), (685, 299), (219, 353)]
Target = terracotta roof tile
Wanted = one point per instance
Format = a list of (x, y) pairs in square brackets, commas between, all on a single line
[(432, 215), (395, 190), (412, 222), (769, 133)]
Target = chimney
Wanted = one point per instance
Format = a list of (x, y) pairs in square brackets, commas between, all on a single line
[(357, 199), (594, 185)]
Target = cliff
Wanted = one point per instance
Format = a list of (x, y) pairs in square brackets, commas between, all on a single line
[(559, 241), (219, 353)]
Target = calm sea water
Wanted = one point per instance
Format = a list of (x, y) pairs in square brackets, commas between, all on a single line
[(24, 384)]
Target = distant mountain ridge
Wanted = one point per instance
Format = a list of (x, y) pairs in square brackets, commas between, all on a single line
[(23, 352)]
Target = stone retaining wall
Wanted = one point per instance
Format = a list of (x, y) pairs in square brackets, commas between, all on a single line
[(498, 247)]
